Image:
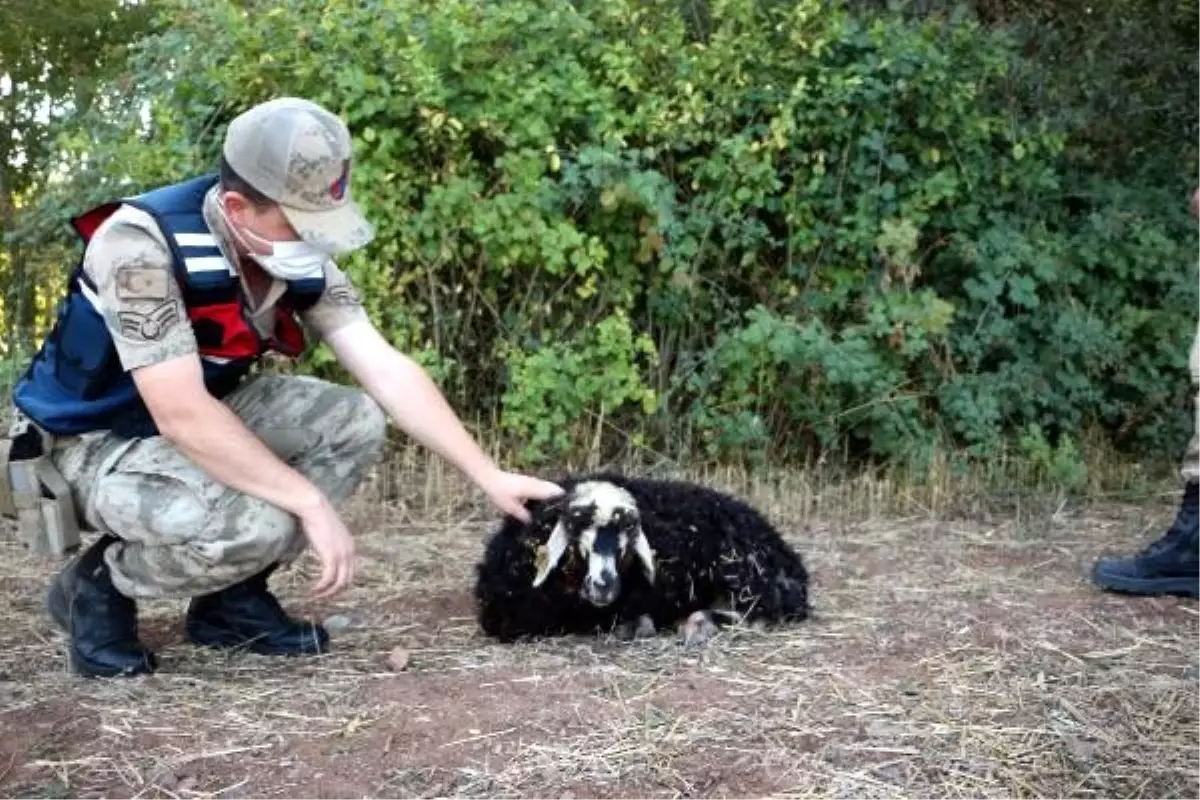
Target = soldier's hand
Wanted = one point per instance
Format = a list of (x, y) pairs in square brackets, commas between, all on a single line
[(508, 491), (333, 545)]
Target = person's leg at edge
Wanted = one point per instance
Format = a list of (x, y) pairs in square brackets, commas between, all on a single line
[(1170, 564), (170, 531)]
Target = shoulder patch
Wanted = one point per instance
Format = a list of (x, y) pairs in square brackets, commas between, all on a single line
[(344, 295), (141, 283)]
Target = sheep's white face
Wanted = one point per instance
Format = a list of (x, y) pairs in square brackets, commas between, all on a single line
[(602, 522)]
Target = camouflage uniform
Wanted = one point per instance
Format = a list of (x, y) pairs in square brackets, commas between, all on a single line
[(184, 534)]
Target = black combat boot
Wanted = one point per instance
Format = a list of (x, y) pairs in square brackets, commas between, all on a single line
[(248, 615), (1170, 565), (101, 622)]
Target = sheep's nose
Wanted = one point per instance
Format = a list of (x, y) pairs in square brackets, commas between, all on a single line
[(603, 588)]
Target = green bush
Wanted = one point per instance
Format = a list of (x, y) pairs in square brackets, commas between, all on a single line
[(764, 232)]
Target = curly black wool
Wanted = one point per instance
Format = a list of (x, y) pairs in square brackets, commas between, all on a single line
[(712, 552)]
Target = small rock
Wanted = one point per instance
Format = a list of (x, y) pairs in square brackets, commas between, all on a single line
[(337, 623), (168, 781), (398, 659), (1081, 749), (890, 773)]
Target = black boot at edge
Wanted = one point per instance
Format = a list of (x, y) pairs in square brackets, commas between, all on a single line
[(246, 615), (1170, 565), (100, 621)]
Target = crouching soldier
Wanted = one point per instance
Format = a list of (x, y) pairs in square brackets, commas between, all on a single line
[(200, 479)]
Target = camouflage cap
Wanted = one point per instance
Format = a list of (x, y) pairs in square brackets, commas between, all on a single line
[(299, 155)]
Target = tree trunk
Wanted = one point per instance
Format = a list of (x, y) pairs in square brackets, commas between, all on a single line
[(9, 276)]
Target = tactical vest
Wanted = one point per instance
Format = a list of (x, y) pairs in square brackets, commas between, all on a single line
[(76, 382)]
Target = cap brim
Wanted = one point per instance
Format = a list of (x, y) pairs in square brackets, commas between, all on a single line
[(339, 230)]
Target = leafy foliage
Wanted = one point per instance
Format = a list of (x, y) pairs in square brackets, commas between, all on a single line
[(54, 59), (746, 229)]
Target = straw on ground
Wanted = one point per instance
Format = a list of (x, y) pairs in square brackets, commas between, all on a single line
[(948, 655)]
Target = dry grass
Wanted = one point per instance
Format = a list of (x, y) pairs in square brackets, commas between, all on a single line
[(950, 655)]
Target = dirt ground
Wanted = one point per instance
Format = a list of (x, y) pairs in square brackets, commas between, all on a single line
[(946, 657)]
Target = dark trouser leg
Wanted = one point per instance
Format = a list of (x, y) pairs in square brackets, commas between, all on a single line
[(1170, 565)]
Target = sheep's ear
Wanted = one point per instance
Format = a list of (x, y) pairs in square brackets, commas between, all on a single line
[(556, 546), (645, 554)]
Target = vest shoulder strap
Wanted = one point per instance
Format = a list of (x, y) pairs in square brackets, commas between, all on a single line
[(178, 209)]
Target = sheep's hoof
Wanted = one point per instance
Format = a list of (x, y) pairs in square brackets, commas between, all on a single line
[(699, 628), (641, 628)]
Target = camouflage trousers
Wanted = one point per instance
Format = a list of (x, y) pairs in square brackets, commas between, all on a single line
[(182, 532), (1191, 460)]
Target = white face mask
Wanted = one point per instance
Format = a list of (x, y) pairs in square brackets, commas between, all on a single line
[(291, 261), (288, 260)]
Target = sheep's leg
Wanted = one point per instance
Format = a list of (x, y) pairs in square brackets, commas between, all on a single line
[(702, 625), (699, 628), (640, 628)]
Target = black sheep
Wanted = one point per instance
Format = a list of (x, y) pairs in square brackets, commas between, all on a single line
[(636, 554)]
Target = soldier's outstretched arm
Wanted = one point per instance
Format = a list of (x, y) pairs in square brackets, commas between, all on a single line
[(411, 398)]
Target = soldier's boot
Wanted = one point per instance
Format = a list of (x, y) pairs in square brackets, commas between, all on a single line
[(1170, 565), (246, 615), (100, 621)]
